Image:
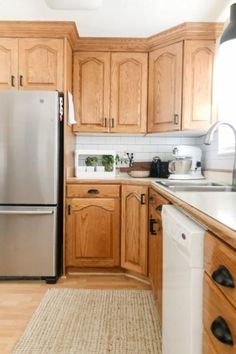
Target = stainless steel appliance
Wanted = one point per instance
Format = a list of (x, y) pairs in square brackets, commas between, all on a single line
[(187, 163), (30, 193)]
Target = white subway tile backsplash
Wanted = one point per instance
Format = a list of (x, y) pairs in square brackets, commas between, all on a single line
[(146, 147)]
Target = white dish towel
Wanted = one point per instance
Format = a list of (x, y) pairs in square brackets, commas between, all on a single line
[(71, 110)]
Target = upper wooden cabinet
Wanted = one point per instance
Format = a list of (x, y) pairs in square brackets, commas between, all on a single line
[(91, 88), (134, 214), (8, 63), (198, 106), (31, 64), (165, 84), (181, 105), (128, 104), (110, 92)]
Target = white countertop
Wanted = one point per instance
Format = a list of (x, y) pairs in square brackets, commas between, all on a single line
[(220, 206)]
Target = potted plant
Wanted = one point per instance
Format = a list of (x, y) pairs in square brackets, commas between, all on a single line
[(91, 163), (108, 162)]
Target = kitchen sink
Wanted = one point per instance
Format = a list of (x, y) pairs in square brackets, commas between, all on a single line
[(196, 187)]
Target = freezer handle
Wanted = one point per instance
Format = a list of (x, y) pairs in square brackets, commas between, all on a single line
[(26, 212)]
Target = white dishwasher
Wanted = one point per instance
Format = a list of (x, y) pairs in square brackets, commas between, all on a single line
[(182, 283)]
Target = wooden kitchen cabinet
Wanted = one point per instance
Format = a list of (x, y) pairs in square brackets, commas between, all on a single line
[(219, 307), (155, 240), (128, 104), (176, 104), (93, 227), (165, 84), (110, 92), (91, 89), (134, 221), (8, 63), (31, 64)]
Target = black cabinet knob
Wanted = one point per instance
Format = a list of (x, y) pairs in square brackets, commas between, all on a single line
[(221, 331), (223, 277)]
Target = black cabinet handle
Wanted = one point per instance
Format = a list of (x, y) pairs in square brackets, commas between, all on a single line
[(176, 119), (152, 222), (221, 331), (105, 122), (223, 277), (12, 80), (21, 80), (142, 198), (93, 191)]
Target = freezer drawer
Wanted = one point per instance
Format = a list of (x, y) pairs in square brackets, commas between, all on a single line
[(28, 241)]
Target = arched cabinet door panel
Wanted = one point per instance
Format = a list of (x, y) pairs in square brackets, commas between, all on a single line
[(128, 105), (198, 100), (8, 63), (41, 64), (91, 88), (134, 211), (165, 88), (93, 233)]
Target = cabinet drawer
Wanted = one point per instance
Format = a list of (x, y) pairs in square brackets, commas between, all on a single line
[(207, 344), (216, 306), (220, 259), (93, 191)]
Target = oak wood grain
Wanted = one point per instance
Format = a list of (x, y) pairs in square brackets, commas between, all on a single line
[(128, 102), (217, 253), (134, 228), (165, 88), (215, 305), (8, 63), (91, 89)]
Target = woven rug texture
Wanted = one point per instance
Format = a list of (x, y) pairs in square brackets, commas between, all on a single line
[(72, 321)]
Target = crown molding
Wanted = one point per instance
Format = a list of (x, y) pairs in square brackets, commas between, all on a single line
[(42, 29)]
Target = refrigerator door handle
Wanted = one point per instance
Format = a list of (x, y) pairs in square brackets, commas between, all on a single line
[(26, 212)]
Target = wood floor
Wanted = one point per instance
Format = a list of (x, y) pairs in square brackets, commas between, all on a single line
[(19, 299)]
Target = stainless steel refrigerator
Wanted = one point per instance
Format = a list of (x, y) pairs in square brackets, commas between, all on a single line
[(30, 202)]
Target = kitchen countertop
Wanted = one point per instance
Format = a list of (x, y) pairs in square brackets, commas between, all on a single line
[(214, 210)]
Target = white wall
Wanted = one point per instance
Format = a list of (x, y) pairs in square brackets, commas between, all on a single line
[(143, 147)]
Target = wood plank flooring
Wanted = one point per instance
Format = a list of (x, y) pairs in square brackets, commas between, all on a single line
[(19, 299)]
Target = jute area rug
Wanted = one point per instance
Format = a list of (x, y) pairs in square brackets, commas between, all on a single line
[(71, 321)]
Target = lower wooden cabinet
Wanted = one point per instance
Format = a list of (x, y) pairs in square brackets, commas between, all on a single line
[(219, 297), (134, 216), (156, 201), (93, 232)]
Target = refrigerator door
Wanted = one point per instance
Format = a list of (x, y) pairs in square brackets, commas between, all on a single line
[(29, 140), (28, 241)]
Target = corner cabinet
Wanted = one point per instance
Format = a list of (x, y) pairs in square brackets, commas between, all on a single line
[(156, 201), (165, 84), (110, 92), (31, 64), (93, 226), (181, 86), (134, 221)]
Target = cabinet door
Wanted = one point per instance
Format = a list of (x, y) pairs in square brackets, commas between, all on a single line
[(41, 64), (156, 202), (134, 228), (8, 63), (93, 233), (198, 106), (91, 88), (165, 88), (128, 107)]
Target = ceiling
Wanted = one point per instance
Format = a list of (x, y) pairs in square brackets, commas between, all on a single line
[(121, 18)]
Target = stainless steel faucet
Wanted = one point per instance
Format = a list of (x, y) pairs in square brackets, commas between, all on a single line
[(208, 140)]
